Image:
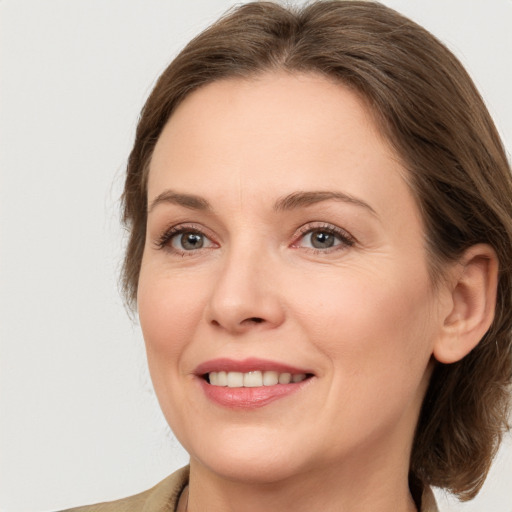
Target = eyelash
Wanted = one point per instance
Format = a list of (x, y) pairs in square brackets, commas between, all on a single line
[(164, 241), (345, 239)]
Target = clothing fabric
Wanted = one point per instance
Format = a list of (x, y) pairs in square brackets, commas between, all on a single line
[(164, 497)]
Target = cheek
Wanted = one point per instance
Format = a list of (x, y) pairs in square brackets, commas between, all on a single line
[(169, 311), (374, 326), (378, 341)]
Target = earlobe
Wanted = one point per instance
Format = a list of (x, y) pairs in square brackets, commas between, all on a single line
[(473, 292)]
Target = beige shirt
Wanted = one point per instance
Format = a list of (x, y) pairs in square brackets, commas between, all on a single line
[(165, 495)]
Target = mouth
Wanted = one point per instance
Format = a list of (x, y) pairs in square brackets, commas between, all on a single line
[(253, 379), (251, 383)]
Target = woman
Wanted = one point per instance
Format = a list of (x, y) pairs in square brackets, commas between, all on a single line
[(320, 215)]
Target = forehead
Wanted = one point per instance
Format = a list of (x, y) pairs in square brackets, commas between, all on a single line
[(269, 133), (271, 107)]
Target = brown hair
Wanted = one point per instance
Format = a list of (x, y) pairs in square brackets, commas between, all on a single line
[(432, 114)]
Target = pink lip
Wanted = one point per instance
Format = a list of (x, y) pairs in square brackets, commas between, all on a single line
[(246, 365), (248, 398)]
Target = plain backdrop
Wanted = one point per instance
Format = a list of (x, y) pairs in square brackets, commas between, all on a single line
[(79, 422)]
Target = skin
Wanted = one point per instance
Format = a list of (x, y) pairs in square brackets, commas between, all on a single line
[(362, 316)]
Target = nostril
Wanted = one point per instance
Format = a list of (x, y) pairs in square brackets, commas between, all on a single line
[(245, 323)]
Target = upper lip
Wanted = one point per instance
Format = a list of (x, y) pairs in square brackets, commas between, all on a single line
[(247, 365)]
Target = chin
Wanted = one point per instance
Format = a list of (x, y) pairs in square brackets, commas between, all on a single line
[(251, 457), (251, 470)]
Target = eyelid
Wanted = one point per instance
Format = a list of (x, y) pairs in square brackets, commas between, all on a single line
[(163, 241), (347, 240)]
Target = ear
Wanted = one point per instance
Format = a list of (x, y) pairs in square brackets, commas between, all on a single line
[(473, 286)]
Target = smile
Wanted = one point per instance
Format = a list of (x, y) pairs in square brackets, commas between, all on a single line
[(253, 379), (250, 383)]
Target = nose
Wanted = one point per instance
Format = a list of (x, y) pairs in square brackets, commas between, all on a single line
[(245, 295)]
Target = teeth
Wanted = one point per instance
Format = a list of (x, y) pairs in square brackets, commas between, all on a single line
[(214, 378), (270, 378), (285, 378), (235, 380), (253, 379)]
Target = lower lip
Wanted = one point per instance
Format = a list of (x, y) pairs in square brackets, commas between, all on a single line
[(250, 398)]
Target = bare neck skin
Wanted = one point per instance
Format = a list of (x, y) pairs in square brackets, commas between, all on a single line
[(320, 491), (370, 480)]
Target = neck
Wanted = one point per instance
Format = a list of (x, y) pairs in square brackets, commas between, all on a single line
[(364, 485)]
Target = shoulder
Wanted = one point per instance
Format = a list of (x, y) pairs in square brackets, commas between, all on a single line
[(163, 497)]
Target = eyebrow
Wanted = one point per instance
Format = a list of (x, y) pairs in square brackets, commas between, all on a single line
[(288, 202), (301, 199), (187, 200)]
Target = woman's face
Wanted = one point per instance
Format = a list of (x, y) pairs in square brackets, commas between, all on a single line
[(282, 239)]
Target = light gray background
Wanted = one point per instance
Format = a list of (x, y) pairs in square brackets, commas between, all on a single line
[(79, 422)]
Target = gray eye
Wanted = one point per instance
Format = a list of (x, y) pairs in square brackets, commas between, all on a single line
[(321, 239), (188, 241)]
